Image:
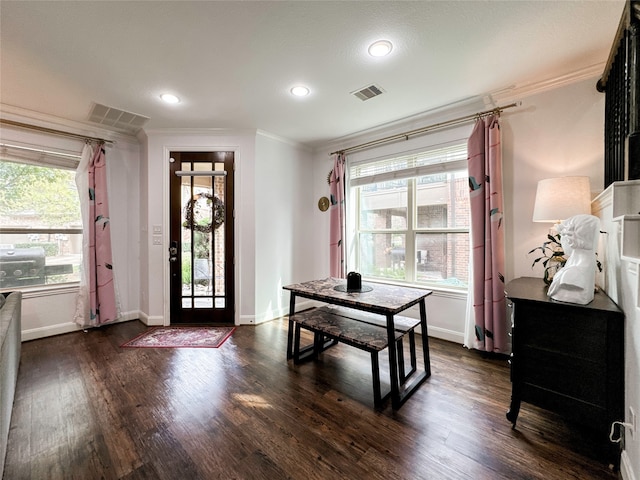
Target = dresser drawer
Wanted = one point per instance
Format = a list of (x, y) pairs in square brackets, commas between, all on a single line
[(560, 330), (573, 409), (564, 374)]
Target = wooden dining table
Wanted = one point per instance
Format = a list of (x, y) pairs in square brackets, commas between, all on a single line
[(378, 298)]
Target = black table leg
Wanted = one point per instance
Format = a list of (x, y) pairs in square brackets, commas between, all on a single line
[(425, 338), (393, 363), (399, 397), (292, 311), (400, 350)]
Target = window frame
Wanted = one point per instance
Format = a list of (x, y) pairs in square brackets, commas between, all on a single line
[(45, 157), (411, 232)]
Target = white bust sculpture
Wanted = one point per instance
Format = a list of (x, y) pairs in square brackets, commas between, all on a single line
[(575, 282)]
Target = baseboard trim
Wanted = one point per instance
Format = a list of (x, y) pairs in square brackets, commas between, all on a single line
[(272, 315), (125, 317), (151, 321), (257, 320), (626, 471), (247, 320), (445, 334), (67, 327), (49, 331)]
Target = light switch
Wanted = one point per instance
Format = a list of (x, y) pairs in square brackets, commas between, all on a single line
[(157, 229), (157, 239)]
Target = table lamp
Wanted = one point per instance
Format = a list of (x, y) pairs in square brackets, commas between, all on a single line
[(556, 200), (560, 198)]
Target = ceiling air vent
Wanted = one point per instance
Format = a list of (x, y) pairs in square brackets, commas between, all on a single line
[(368, 92), (112, 117)]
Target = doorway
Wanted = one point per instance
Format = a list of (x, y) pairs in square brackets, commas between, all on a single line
[(201, 256)]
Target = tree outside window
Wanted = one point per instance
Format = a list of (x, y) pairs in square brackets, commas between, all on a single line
[(40, 225)]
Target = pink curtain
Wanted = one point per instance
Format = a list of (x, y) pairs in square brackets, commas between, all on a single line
[(97, 298), (487, 237), (337, 216)]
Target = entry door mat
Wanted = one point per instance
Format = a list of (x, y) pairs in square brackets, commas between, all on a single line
[(181, 337)]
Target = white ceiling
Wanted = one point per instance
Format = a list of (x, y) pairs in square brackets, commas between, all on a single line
[(233, 63)]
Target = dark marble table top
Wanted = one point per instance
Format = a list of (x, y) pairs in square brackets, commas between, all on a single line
[(383, 298)]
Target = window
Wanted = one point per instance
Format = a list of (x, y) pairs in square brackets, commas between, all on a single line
[(412, 217), (40, 222)]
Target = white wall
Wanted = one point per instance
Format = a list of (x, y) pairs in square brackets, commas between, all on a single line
[(141, 230), (123, 163), (553, 134), (48, 312), (285, 208)]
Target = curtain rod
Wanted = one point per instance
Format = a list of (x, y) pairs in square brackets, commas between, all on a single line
[(52, 131), (406, 135)]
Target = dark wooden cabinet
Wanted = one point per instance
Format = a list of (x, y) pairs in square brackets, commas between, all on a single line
[(567, 358)]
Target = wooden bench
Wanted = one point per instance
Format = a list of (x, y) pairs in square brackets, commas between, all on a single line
[(366, 331)]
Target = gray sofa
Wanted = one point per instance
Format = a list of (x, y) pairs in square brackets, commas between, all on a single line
[(10, 338)]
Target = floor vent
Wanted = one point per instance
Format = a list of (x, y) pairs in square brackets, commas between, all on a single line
[(113, 117), (368, 92)]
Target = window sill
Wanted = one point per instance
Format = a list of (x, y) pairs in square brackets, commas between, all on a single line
[(45, 290), (438, 291)]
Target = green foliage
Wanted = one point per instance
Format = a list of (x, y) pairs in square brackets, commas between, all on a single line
[(394, 273), (550, 251), (54, 279), (50, 248), (552, 257), (48, 193), (201, 246), (186, 273)]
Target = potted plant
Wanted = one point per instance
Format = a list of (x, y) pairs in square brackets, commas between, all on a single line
[(552, 257)]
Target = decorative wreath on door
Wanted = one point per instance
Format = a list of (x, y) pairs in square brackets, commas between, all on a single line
[(196, 213)]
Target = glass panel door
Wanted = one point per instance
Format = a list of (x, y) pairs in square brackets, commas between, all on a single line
[(201, 233)]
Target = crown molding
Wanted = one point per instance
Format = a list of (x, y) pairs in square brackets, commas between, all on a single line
[(458, 108), (243, 132), (277, 138), (466, 106), (528, 89)]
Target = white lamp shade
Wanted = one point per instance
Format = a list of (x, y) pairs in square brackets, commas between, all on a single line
[(560, 198)]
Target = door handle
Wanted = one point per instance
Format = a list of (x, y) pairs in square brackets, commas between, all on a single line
[(173, 252)]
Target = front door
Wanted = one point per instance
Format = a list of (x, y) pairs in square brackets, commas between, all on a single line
[(201, 242)]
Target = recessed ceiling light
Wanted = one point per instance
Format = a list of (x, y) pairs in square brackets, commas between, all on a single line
[(380, 48), (169, 98), (300, 91)]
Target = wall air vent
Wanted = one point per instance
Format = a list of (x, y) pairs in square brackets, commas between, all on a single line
[(368, 92), (119, 119)]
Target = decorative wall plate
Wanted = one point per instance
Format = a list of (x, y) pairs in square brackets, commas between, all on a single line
[(323, 204)]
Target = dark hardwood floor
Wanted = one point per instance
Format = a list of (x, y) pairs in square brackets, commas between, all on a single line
[(87, 409)]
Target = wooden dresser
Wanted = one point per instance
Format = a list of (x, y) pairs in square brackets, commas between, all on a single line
[(567, 358)]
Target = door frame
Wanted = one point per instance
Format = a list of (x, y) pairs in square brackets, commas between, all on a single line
[(166, 179)]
